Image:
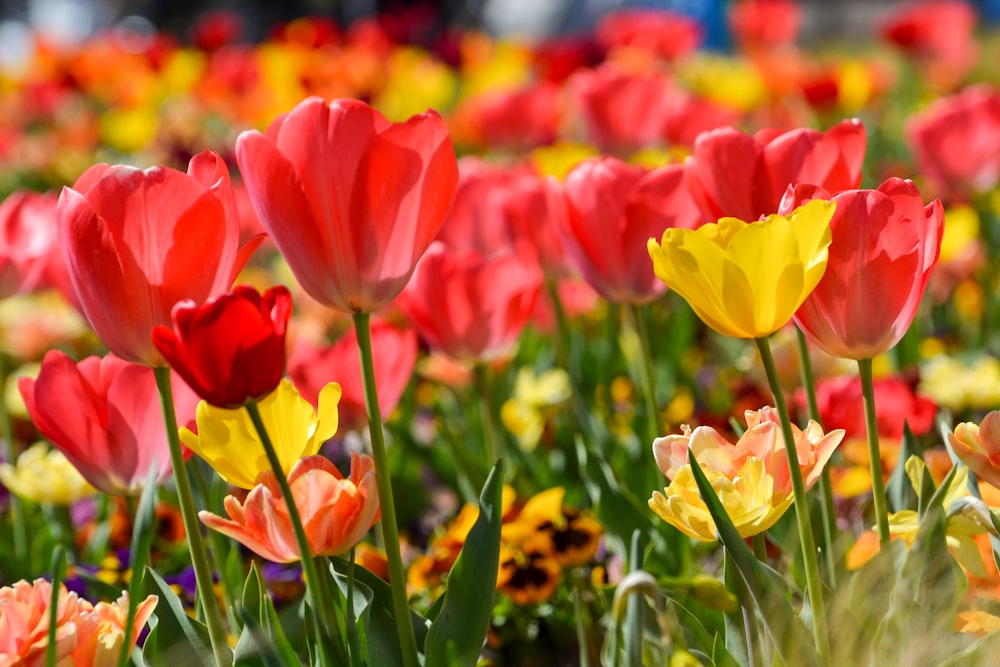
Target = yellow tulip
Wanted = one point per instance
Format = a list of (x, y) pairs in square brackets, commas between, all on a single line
[(44, 476), (747, 279), (228, 441)]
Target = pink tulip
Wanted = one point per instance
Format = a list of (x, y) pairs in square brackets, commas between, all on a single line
[(27, 240), (105, 416), (978, 446), (137, 242), (520, 119), (395, 353), (732, 174), (956, 142), (665, 34), (612, 209), (475, 221), (764, 24), (471, 306), (351, 200), (940, 33), (622, 112), (885, 244), (336, 512)]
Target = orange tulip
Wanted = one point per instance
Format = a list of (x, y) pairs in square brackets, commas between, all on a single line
[(351, 200), (336, 512)]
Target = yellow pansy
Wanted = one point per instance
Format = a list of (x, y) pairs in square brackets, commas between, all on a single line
[(747, 279), (748, 498), (228, 441), (44, 476), (526, 412)]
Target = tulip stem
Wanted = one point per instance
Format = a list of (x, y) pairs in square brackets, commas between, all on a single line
[(390, 532), (874, 455), (638, 323), (315, 584), (827, 508), (813, 583), (492, 439), (9, 454), (196, 547)]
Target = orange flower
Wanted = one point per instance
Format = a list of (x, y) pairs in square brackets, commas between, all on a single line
[(336, 512)]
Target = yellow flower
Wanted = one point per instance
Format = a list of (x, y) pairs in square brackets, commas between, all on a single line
[(958, 385), (525, 413), (748, 498), (746, 280), (45, 476), (228, 441)]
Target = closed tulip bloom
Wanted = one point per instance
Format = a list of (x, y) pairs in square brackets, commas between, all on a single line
[(663, 33), (764, 24), (351, 200), (622, 112), (336, 511), (394, 352), (611, 207), (228, 440), (104, 414), (137, 242), (978, 446), (746, 280), (231, 349), (471, 306), (751, 477), (885, 245), (732, 174), (956, 142)]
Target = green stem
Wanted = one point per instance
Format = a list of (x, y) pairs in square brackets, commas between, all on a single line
[(390, 532), (813, 583), (314, 583), (635, 608), (216, 542), (581, 623), (638, 323), (564, 353), (874, 456), (492, 439), (9, 454), (827, 507), (196, 547), (58, 574), (759, 547), (352, 623)]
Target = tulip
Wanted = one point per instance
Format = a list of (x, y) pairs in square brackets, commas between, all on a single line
[(137, 242), (104, 414), (531, 207), (45, 476), (764, 24), (86, 634), (751, 478), (840, 406), (470, 306), (336, 512), (395, 353), (351, 200), (666, 34), (884, 237), (229, 442), (956, 142), (475, 220), (978, 446), (230, 350), (939, 33), (610, 207), (732, 174), (27, 239), (520, 119), (746, 280), (622, 112)]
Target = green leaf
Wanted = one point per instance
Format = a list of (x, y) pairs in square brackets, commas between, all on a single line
[(766, 589), (899, 491), (380, 626), (176, 639), (457, 635), (253, 649)]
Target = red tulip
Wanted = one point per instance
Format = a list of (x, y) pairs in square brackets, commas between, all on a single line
[(885, 244), (105, 416), (137, 242), (351, 200), (612, 209), (394, 351), (663, 33), (531, 207), (956, 142), (732, 174), (764, 24), (471, 306), (939, 31), (27, 240), (841, 406), (475, 220), (520, 119), (231, 349), (687, 115), (622, 112)]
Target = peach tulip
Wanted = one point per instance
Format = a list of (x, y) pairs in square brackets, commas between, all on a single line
[(351, 200), (978, 446), (336, 512)]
